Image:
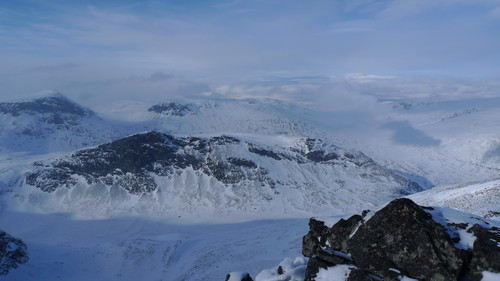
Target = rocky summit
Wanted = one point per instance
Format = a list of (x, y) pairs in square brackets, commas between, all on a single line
[(13, 252), (401, 240)]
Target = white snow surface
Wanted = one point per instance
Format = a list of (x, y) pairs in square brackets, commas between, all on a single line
[(293, 270), (481, 198), (339, 272), (62, 248), (490, 276)]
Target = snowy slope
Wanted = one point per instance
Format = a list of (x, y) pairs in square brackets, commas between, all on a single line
[(447, 142), (426, 137), (250, 116), (477, 198), (48, 124), (231, 178), (130, 249)]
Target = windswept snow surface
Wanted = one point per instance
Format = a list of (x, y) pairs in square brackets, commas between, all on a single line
[(447, 142), (62, 248), (481, 198)]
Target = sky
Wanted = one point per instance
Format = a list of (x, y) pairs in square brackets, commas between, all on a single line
[(131, 48)]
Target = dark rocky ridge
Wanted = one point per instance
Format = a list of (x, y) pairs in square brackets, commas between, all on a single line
[(402, 239), (13, 252), (173, 109), (133, 161)]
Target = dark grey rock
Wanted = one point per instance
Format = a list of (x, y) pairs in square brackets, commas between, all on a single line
[(280, 270), (246, 277), (13, 252), (359, 275), (338, 234), (173, 109), (486, 252), (264, 152), (315, 238), (403, 236)]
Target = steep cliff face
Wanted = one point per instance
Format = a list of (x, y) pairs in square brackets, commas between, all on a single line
[(222, 173)]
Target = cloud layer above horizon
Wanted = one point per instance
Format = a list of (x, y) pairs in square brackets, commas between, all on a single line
[(73, 44)]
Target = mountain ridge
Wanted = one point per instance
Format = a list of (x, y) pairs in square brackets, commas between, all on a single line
[(218, 173)]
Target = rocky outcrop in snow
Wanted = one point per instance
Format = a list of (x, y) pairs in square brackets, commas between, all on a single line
[(173, 109), (238, 276), (13, 252), (404, 240)]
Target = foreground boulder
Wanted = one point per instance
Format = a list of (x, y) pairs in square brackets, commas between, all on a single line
[(12, 253), (238, 276), (401, 240)]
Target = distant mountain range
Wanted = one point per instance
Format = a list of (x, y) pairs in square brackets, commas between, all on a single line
[(250, 156)]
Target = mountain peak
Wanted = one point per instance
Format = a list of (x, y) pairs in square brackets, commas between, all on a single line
[(52, 102)]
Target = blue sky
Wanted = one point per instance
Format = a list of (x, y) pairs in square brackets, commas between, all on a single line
[(77, 42)]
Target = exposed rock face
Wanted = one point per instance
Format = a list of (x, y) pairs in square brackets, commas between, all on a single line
[(13, 252), (173, 109), (238, 276), (403, 236), (486, 254), (130, 163), (402, 239)]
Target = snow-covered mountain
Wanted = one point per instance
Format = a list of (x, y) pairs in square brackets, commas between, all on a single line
[(162, 175), (249, 116), (447, 142), (48, 124)]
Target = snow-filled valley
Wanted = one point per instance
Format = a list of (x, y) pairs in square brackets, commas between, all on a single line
[(62, 248), (196, 189)]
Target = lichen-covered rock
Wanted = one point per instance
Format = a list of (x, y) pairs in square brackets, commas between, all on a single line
[(316, 237), (402, 240), (359, 275), (324, 259), (13, 252), (338, 235), (486, 252), (403, 236)]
